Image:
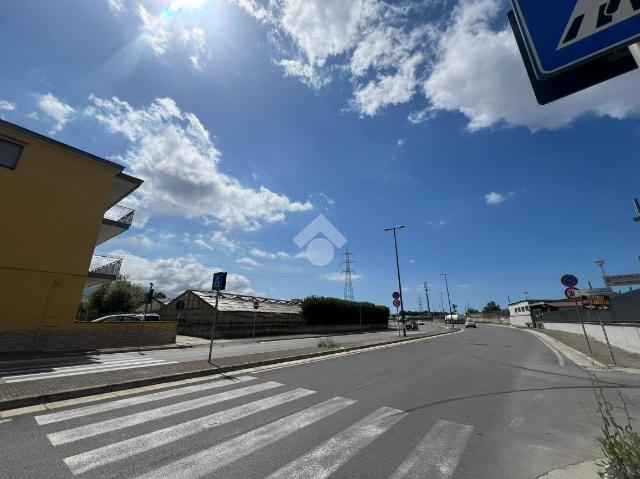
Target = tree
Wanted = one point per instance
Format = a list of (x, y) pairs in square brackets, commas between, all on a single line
[(473, 311), (119, 296), (159, 294), (492, 307)]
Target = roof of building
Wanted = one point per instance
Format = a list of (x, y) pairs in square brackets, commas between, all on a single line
[(239, 302), (164, 301), (24, 131)]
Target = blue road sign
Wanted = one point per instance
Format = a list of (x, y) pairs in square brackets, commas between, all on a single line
[(560, 34), (569, 280), (219, 281)]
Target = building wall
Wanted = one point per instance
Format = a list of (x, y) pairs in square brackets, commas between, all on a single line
[(519, 317), (623, 337), (51, 207)]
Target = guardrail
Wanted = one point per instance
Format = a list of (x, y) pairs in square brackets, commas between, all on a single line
[(105, 265), (120, 213)]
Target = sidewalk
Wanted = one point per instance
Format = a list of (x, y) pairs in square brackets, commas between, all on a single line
[(623, 358), (22, 394)]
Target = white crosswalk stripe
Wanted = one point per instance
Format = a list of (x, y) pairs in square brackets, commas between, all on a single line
[(136, 400), (34, 371), (327, 458), (102, 427), (207, 461), (437, 454), (130, 447)]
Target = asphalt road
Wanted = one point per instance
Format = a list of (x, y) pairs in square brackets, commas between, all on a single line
[(486, 403), (58, 367)]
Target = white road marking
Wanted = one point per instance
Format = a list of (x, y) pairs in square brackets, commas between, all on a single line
[(4, 420), (330, 456), (130, 447), (209, 460), (56, 366), (122, 422), (91, 370), (517, 421), (134, 401), (560, 358), (437, 455)]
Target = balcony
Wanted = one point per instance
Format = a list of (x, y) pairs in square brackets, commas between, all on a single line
[(116, 220), (102, 270)]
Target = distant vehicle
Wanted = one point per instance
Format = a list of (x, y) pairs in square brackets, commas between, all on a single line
[(421, 323), (470, 323), (454, 318), (412, 326), (119, 318)]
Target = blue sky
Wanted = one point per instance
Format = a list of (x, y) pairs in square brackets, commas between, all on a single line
[(249, 119)]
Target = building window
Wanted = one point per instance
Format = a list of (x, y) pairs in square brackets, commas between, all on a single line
[(527, 308), (9, 154)]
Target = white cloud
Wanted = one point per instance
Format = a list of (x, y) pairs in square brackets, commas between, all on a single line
[(219, 238), (173, 276), (340, 277), (7, 106), (253, 8), (55, 109), (494, 198), (154, 31), (248, 262), (173, 152), (479, 73), (116, 6), (200, 241), (196, 40), (258, 253), (412, 261), (437, 223), (400, 143)]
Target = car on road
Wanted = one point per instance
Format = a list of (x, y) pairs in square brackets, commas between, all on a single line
[(412, 326), (421, 323), (470, 323)]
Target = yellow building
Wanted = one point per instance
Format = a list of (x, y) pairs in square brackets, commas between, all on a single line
[(57, 203)]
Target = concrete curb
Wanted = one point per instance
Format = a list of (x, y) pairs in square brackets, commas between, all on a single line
[(584, 470), (573, 355), (102, 389)]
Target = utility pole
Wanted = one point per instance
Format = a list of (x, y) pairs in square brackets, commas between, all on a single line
[(395, 243), (446, 281), (441, 303), (600, 263), (426, 292), (604, 331), (348, 284), (420, 303)]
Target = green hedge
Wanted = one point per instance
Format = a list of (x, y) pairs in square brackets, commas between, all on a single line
[(322, 310)]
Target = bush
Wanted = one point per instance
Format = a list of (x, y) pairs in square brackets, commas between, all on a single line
[(334, 311), (119, 296), (327, 343)]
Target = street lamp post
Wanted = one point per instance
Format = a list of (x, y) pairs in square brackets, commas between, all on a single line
[(446, 281), (600, 263), (395, 244)]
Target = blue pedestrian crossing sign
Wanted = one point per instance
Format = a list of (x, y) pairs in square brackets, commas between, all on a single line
[(219, 281), (562, 34)]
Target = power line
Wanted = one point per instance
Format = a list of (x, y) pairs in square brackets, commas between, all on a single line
[(348, 283)]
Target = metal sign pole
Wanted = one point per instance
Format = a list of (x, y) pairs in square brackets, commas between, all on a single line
[(213, 325), (604, 331), (583, 328), (147, 301)]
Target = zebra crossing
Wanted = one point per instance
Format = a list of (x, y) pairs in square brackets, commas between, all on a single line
[(37, 369), (97, 445)]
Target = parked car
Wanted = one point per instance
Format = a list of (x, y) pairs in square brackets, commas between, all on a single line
[(412, 326), (470, 323), (421, 323)]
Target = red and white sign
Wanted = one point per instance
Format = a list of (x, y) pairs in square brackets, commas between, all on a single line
[(571, 293), (396, 303), (256, 304)]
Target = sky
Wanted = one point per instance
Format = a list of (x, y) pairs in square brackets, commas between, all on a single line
[(251, 120)]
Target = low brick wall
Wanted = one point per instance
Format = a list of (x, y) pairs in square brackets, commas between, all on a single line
[(85, 336)]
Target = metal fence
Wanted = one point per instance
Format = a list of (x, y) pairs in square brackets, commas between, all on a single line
[(105, 265)]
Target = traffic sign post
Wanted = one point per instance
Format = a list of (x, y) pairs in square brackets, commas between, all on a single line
[(568, 46), (219, 284), (571, 292), (396, 303), (256, 305)]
